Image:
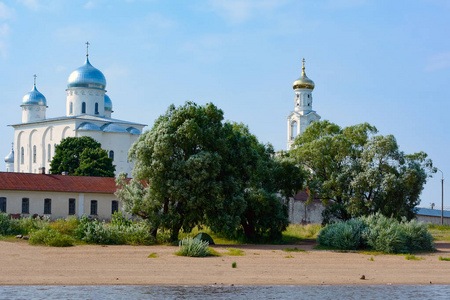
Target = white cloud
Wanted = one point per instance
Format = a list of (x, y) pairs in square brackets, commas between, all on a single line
[(438, 62), (90, 5), (32, 4), (238, 11), (6, 12)]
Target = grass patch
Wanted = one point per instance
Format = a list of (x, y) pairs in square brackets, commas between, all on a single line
[(439, 232), (295, 233), (289, 256), (153, 255), (234, 252), (213, 252), (371, 259), (234, 265), (412, 257), (294, 250), (444, 258)]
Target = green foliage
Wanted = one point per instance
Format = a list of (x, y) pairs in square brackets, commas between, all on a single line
[(356, 172), (193, 248), (6, 225), (193, 169), (439, 232), (444, 258), (234, 265), (65, 226), (82, 156), (153, 255), (297, 232), (379, 233), (95, 232), (50, 237), (343, 235)]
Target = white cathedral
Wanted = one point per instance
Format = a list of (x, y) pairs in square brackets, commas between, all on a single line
[(303, 115), (88, 113)]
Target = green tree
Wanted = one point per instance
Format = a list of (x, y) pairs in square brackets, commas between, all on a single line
[(356, 172), (82, 156), (191, 169)]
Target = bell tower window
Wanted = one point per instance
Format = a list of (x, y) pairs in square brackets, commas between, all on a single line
[(71, 108), (83, 107), (96, 108)]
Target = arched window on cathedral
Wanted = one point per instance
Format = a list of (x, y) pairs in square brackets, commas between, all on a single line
[(71, 108), (34, 154), (293, 130), (49, 152), (22, 155), (83, 107), (111, 155), (96, 108)]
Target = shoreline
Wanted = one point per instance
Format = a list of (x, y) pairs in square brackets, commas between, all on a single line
[(262, 265)]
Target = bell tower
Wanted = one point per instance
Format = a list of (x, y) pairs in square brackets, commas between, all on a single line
[(303, 114)]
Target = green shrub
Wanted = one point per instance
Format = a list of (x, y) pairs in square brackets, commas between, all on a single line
[(117, 233), (66, 226), (27, 225), (193, 248), (343, 235), (379, 233), (50, 237), (5, 224), (118, 219)]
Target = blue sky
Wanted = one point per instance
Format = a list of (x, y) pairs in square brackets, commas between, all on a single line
[(382, 62)]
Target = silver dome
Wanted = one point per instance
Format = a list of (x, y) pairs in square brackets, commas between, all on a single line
[(108, 103), (133, 131), (10, 157), (34, 98), (111, 127), (88, 126), (87, 76)]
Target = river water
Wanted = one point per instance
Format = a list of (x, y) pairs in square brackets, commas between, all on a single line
[(228, 292)]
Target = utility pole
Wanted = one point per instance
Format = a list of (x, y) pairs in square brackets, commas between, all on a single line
[(442, 197)]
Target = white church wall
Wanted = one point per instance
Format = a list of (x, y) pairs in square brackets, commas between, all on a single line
[(78, 96)]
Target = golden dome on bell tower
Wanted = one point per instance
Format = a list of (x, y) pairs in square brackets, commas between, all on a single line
[(303, 82)]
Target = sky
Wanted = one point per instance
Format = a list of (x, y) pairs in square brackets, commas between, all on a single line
[(378, 61)]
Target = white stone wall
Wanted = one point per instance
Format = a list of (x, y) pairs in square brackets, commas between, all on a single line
[(300, 213), (432, 219), (59, 203)]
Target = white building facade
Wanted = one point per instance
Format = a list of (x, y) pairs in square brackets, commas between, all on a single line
[(88, 113), (303, 114)]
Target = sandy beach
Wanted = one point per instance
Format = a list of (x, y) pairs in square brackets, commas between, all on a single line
[(22, 264)]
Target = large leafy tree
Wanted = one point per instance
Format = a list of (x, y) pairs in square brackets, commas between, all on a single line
[(356, 172), (193, 169), (81, 156)]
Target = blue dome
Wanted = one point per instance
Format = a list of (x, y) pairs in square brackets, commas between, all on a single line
[(34, 98), (88, 126), (111, 127), (10, 157), (87, 76), (133, 131), (108, 103)]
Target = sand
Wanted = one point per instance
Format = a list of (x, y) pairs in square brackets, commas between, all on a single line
[(23, 264)]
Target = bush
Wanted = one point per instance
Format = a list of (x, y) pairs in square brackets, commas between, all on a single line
[(193, 248), (50, 237), (66, 226), (343, 235), (118, 233), (379, 233), (5, 224)]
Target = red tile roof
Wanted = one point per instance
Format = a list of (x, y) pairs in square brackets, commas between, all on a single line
[(56, 183)]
